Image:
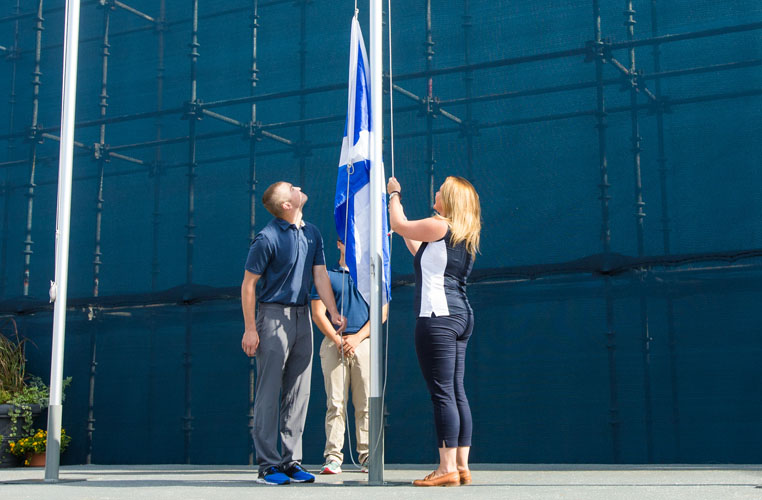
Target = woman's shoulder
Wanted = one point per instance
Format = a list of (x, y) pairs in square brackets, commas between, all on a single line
[(442, 223)]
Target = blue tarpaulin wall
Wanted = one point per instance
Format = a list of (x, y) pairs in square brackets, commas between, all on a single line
[(578, 356)]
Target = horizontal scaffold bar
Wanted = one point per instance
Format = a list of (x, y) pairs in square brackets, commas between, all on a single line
[(670, 275), (444, 102), (441, 131)]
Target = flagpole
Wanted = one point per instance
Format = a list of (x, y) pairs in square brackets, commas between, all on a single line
[(376, 455), (63, 216)]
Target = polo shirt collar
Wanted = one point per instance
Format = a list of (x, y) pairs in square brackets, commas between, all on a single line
[(284, 224)]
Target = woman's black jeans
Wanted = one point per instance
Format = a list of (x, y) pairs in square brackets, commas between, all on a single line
[(440, 343)]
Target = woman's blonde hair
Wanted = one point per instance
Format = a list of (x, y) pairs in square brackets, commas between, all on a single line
[(462, 211)]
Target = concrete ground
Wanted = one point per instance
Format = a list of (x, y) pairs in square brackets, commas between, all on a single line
[(546, 482)]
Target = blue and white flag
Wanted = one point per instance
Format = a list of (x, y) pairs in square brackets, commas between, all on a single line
[(352, 202)]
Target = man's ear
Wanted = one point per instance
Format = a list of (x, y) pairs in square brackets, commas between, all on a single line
[(286, 205)]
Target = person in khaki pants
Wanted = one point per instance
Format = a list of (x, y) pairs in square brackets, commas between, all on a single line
[(345, 360)]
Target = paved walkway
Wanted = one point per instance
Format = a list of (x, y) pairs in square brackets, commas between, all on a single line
[(510, 482)]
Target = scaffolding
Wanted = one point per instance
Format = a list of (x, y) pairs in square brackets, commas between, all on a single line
[(609, 69)]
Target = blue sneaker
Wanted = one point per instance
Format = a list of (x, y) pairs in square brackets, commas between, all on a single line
[(298, 475), (273, 476)]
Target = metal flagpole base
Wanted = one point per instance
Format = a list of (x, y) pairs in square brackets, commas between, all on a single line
[(53, 451), (376, 445)]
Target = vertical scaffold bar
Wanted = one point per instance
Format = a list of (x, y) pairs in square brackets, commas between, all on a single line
[(193, 116), (156, 173), (101, 158), (301, 151), (6, 192), (600, 59), (665, 221), (253, 139), (161, 27), (636, 139), (13, 56), (468, 80), (101, 154), (35, 138), (429, 53), (629, 13)]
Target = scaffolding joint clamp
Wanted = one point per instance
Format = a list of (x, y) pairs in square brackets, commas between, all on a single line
[(155, 169), (100, 151), (253, 131), (662, 104), (192, 110), (12, 54), (469, 128), (92, 313), (633, 79), (302, 149), (35, 134), (597, 50), (430, 106), (160, 26), (108, 4)]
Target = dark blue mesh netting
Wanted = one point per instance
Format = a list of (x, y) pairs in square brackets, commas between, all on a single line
[(598, 339)]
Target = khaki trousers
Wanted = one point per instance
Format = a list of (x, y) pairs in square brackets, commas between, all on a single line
[(354, 374)]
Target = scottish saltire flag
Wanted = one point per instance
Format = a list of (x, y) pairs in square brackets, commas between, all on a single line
[(352, 202)]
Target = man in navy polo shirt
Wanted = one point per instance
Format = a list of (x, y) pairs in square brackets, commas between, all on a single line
[(284, 257)]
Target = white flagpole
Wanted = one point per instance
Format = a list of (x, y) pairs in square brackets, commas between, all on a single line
[(376, 437), (66, 153)]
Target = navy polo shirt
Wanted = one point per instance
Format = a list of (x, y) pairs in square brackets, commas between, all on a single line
[(284, 255), (356, 310)]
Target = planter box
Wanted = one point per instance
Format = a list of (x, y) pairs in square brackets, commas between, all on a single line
[(6, 459)]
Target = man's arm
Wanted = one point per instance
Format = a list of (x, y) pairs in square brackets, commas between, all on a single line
[(352, 341), (324, 290), (325, 326), (250, 340)]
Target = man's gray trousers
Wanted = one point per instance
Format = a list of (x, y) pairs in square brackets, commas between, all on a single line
[(284, 368)]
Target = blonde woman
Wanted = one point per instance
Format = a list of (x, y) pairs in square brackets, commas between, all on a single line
[(444, 247)]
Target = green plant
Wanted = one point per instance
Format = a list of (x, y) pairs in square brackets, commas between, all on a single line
[(35, 443), (12, 363), (17, 388)]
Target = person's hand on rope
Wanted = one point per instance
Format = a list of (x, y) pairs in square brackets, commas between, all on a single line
[(339, 341), (393, 186), (350, 344), (339, 322), (250, 342)]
